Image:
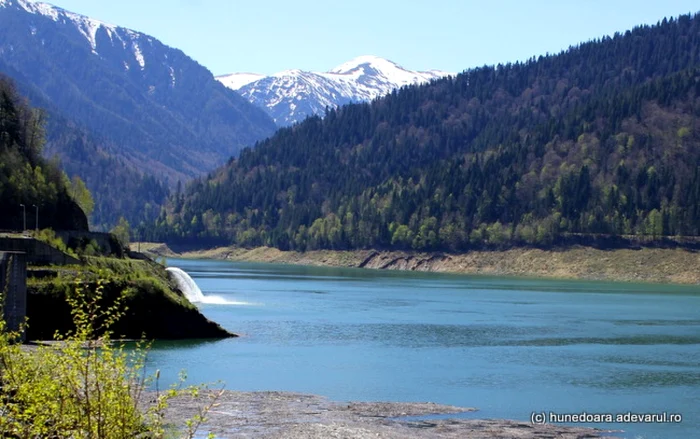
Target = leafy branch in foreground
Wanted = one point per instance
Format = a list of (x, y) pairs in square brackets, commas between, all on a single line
[(85, 385)]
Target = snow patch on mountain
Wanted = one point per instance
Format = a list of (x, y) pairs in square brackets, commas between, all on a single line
[(127, 88), (235, 81), (292, 95), (139, 55), (85, 25), (392, 72), (88, 27)]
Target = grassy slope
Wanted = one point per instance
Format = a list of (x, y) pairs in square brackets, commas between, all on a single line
[(154, 307)]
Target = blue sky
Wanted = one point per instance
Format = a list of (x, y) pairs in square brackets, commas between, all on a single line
[(273, 35)]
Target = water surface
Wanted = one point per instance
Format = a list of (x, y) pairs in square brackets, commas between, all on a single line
[(509, 346)]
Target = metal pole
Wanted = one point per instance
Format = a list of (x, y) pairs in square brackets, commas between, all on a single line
[(24, 215), (36, 219)]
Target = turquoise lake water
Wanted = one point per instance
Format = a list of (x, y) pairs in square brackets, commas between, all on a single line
[(508, 346)]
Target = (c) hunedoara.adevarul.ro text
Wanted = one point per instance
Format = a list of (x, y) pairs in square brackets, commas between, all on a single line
[(610, 418)]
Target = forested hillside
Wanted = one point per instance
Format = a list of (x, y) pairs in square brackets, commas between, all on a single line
[(128, 114), (603, 138), (152, 100), (25, 177), (119, 188)]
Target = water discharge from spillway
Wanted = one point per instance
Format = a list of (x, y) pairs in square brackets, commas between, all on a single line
[(192, 292)]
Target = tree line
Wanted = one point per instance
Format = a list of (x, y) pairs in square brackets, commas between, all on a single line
[(28, 183), (600, 139)]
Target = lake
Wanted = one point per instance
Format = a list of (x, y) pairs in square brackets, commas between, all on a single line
[(508, 346)]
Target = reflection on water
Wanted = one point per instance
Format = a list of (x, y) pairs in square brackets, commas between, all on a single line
[(508, 346), (181, 345)]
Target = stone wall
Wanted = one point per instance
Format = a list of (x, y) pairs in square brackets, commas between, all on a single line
[(13, 281)]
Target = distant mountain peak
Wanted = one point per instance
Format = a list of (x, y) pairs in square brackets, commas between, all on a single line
[(234, 81), (292, 95), (368, 60)]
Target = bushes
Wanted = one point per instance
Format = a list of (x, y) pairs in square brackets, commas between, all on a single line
[(49, 237), (86, 385)]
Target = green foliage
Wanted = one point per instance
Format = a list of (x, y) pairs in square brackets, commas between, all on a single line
[(49, 237), (85, 386), (122, 231), (155, 309), (117, 275), (117, 187), (602, 139), (25, 177), (80, 193), (92, 248), (128, 136)]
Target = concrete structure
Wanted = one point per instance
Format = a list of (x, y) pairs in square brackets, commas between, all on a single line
[(13, 281), (38, 253)]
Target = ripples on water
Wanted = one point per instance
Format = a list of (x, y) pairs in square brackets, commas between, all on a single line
[(508, 346)]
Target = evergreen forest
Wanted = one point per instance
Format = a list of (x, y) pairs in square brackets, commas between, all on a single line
[(30, 186), (601, 139)]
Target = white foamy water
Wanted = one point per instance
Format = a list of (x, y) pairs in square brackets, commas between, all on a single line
[(192, 292), (218, 300)]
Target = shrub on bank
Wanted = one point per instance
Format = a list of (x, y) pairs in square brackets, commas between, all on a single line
[(85, 385)]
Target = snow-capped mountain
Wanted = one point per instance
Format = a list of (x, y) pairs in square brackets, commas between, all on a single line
[(292, 95), (234, 81), (87, 26), (155, 104)]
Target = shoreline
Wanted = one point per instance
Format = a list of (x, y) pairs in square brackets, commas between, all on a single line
[(300, 416), (652, 265)]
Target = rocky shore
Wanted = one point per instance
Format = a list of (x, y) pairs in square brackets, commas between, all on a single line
[(299, 416), (659, 265)]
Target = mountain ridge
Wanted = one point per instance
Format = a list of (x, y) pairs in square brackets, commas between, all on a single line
[(151, 115), (292, 95), (128, 86), (601, 140)]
